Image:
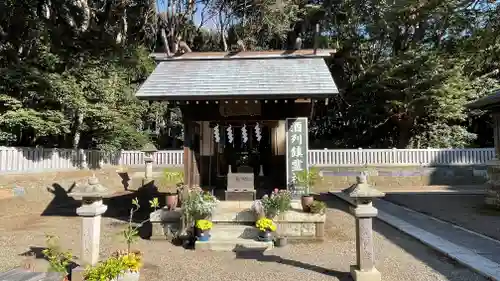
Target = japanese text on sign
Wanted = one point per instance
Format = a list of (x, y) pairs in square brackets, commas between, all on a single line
[(296, 143)]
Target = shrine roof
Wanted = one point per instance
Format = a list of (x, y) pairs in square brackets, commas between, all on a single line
[(490, 102), (257, 75)]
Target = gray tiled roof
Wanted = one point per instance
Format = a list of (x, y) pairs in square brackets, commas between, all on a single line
[(492, 100), (245, 77)]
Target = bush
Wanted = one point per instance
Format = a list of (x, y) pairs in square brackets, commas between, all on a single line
[(317, 207), (278, 202)]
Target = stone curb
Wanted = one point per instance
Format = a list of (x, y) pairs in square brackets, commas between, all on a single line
[(464, 192), (406, 191), (462, 255)]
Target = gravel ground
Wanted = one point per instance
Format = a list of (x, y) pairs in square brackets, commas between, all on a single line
[(399, 257), (464, 210)]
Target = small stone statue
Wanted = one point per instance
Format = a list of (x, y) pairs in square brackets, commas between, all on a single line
[(362, 178), (93, 186)]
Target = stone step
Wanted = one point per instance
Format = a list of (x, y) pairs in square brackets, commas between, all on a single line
[(228, 215), (233, 231), (235, 238), (233, 245)]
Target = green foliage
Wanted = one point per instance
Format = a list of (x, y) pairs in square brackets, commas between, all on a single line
[(307, 178), (68, 81), (172, 180), (106, 270), (197, 205), (406, 73), (68, 72), (114, 266), (317, 207), (59, 260), (175, 177), (276, 203)]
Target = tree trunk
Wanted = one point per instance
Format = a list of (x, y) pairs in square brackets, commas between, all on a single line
[(76, 130), (404, 137), (405, 125), (166, 45), (222, 33)]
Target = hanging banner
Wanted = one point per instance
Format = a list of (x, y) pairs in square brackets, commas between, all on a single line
[(297, 135)]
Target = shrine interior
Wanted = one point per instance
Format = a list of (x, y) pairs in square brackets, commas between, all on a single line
[(255, 144)]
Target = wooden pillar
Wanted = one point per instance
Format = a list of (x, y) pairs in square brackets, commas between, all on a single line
[(188, 155), (496, 133), (195, 148), (278, 140), (278, 144), (206, 153)]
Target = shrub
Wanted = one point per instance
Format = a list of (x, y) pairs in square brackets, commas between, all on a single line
[(278, 202)]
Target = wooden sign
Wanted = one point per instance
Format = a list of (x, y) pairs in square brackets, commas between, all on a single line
[(297, 146), (240, 109)]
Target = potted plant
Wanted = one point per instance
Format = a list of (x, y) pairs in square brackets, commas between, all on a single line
[(122, 266), (306, 180), (266, 227), (280, 241), (203, 230), (196, 205), (172, 181), (317, 207), (277, 203), (59, 260)]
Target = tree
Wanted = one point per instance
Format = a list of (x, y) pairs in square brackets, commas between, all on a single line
[(404, 69)]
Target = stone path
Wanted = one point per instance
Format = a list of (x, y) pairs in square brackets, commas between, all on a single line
[(465, 210), (469, 248)]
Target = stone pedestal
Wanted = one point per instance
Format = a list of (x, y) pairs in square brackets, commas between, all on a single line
[(364, 212), (492, 198), (365, 267), (240, 186), (149, 150), (148, 172), (91, 211)]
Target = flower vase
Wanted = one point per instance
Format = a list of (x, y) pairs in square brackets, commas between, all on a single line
[(128, 276), (172, 200), (265, 236)]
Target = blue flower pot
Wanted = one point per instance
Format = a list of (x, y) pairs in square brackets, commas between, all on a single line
[(203, 235)]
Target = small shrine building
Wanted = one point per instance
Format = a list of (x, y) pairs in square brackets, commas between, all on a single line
[(244, 114)]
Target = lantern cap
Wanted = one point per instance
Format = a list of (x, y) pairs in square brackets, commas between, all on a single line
[(92, 189), (362, 189), (149, 147)]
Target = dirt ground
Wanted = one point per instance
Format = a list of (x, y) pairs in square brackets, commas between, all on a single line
[(465, 210), (24, 222)]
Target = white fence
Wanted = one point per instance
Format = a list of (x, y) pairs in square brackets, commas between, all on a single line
[(19, 159)]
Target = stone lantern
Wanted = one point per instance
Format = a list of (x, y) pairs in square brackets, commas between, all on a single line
[(149, 150), (91, 211), (363, 194)]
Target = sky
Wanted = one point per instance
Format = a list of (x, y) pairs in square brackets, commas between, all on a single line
[(197, 17)]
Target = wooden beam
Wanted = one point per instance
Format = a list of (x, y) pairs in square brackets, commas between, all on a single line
[(279, 54), (303, 101)]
